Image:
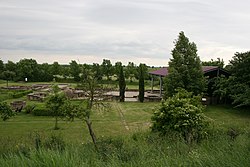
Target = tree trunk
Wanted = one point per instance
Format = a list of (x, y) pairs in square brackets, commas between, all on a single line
[(91, 132)]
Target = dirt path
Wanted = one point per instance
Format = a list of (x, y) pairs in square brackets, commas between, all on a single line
[(119, 110)]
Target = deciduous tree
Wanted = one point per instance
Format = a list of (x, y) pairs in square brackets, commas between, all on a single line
[(107, 68), (240, 80), (8, 76), (75, 70), (55, 103)]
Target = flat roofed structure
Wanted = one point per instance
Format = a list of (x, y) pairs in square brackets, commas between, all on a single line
[(210, 71)]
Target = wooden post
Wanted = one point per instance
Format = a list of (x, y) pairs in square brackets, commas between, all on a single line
[(152, 84), (160, 86)]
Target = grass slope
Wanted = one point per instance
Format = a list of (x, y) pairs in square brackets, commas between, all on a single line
[(123, 140)]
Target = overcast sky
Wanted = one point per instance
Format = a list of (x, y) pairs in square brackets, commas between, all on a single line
[(121, 30)]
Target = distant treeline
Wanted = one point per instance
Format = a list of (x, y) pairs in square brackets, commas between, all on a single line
[(34, 72)]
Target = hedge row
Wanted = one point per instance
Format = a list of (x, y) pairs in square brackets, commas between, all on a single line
[(20, 93)]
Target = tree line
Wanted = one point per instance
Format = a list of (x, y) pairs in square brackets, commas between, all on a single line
[(34, 72)]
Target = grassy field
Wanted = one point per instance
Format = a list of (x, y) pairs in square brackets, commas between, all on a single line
[(124, 139), (122, 118)]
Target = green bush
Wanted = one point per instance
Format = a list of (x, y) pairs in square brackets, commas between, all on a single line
[(181, 113), (5, 111), (29, 109), (19, 94), (55, 142), (42, 112)]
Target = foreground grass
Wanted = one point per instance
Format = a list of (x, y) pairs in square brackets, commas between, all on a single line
[(140, 149), (124, 140)]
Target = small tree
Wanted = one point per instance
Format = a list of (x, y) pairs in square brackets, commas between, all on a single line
[(141, 73), (181, 113), (8, 75), (122, 84), (6, 111), (55, 104), (94, 93)]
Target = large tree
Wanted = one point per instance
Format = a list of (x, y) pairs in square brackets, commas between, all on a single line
[(107, 68), (75, 70), (44, 73), (185, 68), (240, 80), (11, 66), (27, 68), (56, 68)]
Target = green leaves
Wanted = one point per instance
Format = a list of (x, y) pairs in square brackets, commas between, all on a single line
[(240, 89), (181, 113), (6, 111)]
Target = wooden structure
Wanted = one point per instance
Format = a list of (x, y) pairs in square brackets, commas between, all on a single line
[(18, 105), (37, 96), (209, 71)]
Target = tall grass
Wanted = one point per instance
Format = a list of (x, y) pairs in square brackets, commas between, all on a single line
[(139, 149)]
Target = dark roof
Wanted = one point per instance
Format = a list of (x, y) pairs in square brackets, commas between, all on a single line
[(164, 70)]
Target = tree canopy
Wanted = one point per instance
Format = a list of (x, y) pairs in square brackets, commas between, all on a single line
[(240, 80)]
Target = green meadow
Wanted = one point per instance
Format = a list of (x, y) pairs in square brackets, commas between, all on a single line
[(124, 139)]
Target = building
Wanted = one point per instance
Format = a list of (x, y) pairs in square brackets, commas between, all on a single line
[(209, 72)]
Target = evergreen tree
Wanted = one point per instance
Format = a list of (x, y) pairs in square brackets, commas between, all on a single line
[(75, 70), (141, 73), (185, 68), (122, 84)]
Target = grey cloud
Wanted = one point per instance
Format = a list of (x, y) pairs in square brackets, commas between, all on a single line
[(120, 28)]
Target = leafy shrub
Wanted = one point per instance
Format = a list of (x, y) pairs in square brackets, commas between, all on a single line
[(19, 94), (116, 148), (29, 109), (55, 142), (42, 112), (5, 111), (181, 113)]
